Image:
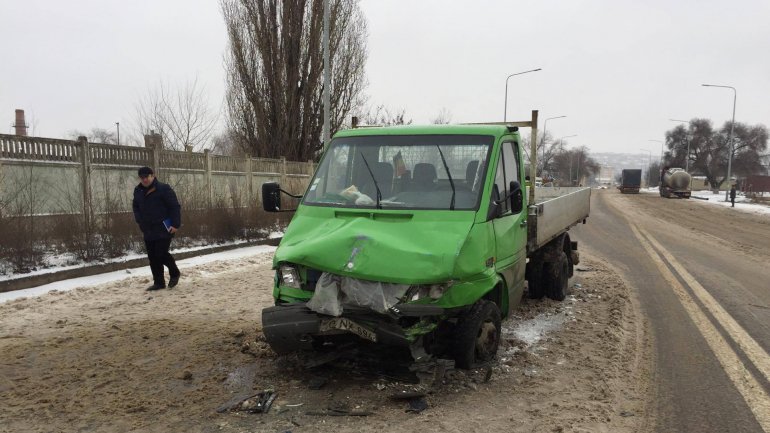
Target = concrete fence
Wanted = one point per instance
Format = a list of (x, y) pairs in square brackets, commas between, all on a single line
[(43, 176)]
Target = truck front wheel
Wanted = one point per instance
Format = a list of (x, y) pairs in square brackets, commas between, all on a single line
[(556, 275), (477, 335)]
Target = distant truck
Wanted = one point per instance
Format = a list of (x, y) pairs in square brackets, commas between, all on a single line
[(675, 182), (420, 237), (630, 181)]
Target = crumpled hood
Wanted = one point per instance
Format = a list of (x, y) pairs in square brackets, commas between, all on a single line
[(410, 247)]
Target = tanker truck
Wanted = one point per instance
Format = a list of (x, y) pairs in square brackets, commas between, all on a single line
[(675, 181)]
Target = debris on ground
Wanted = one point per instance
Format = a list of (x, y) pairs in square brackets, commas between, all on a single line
[(339, 412), (417, 405), (317, 382), (255, 403)]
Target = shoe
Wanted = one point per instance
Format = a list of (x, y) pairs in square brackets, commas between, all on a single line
[(154, 287), (173, 281)]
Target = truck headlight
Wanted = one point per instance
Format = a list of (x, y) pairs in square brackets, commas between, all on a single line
[(289, 276), (432, 291)]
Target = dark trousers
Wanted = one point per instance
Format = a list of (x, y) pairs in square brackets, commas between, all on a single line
[(157, 252)]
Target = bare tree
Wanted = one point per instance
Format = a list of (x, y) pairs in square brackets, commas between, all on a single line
[(384, 116), (444, 117), (183, 117), (274, 72), (95, 135), (573, 166), (546, 150), (226, 143), (709, 149)]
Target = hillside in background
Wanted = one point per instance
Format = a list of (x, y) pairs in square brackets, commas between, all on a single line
[(612, 163)]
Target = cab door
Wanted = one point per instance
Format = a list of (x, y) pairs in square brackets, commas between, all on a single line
[(510, 228)]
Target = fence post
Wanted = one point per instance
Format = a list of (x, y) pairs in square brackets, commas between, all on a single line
[(249, 181), (156, 159), (85, 177), (209, 185), (283, 171)]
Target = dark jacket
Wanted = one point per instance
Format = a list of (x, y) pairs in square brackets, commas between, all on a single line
[(732, 193), (154, 204)]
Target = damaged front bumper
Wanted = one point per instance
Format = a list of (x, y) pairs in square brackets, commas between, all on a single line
[(294, 327)]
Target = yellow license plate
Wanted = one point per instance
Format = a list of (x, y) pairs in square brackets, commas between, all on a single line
[(345, 324)]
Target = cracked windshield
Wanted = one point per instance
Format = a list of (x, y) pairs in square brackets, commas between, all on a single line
[(420, 172)]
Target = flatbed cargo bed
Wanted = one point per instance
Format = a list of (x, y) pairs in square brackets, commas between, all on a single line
[(555, 210)]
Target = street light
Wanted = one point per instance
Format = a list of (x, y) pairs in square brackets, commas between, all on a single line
[(545, 123), (649, 162), (561, 140), (730, 137), (661, 151), (568, 136), (505, 111), (687, 139)]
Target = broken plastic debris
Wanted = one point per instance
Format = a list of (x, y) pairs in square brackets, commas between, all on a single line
[(334, 290), (256, 403)]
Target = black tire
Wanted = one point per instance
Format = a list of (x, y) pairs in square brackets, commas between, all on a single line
[(477, 335), (556, 277), (535, 287)]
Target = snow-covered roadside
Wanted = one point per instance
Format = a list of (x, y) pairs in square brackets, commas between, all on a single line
[(144, 271), (67, 261), (742, 204)]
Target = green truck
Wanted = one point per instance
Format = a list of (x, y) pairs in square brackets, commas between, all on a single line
[(422, 237)]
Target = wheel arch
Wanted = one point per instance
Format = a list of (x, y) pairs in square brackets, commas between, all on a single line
[(498, 294)]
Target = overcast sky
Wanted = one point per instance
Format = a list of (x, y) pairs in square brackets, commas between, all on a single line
[(619, 70)]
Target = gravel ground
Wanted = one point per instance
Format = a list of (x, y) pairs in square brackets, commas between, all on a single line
[(118, 359)]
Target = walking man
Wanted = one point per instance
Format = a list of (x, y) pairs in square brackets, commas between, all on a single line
[(732, 195), (157, 211)]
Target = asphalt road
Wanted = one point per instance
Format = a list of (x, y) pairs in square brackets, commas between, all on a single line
[(702, 277)]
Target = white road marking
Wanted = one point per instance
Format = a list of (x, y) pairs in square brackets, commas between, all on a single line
[(748, 345), (747, 385)]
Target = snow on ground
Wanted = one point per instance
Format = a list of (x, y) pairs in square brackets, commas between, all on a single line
[(742, 203), (66, 261), (100, 279)]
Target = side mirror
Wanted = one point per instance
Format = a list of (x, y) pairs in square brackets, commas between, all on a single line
[(495, 210), (271, 197), (517, 197)]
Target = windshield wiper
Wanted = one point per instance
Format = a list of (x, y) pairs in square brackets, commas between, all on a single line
[(379, 194), (451, 182)]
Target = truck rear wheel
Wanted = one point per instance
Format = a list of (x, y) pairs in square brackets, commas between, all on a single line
[(535, 287), (556, 277), (477, 335)]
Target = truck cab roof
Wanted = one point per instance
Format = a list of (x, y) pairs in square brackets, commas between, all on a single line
[(494, 130)]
